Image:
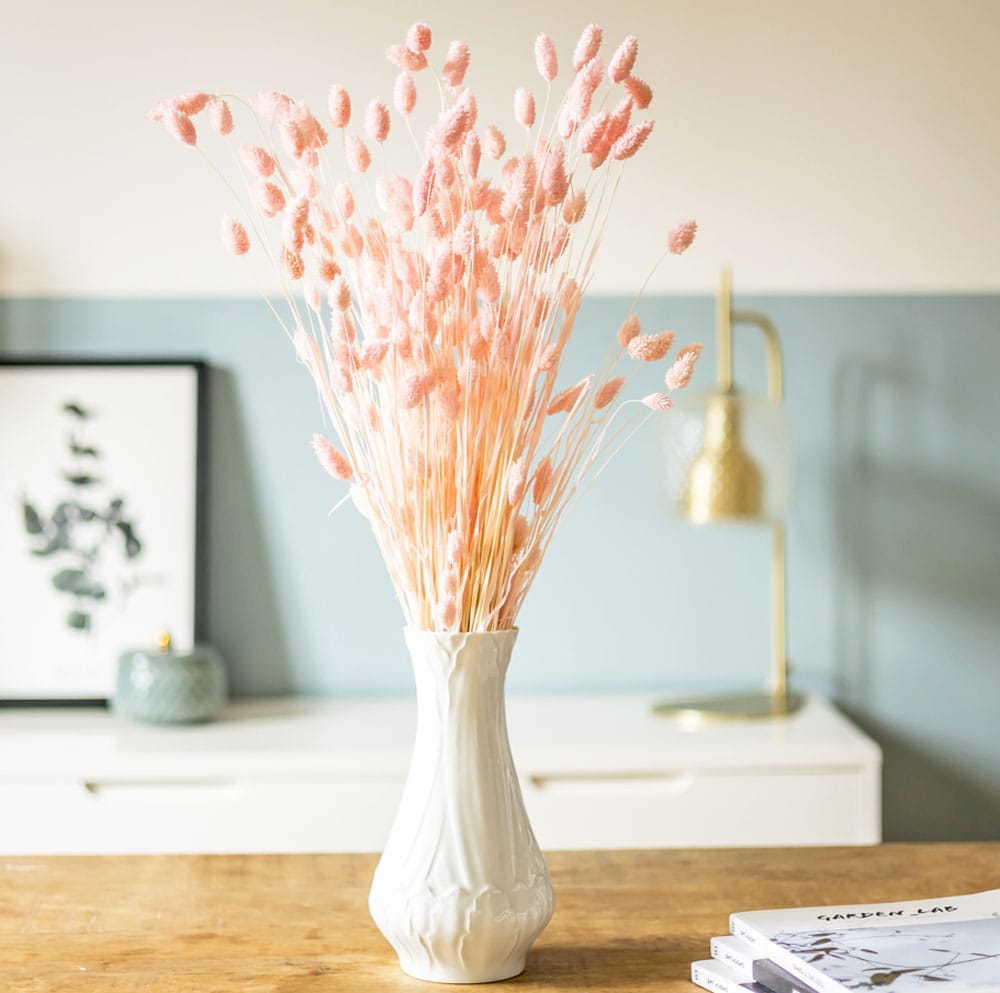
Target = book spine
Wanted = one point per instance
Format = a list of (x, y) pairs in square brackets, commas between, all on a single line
[(733, 953), (708, 979), (768, 949)]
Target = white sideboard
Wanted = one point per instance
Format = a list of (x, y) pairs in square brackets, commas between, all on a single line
[(304, 775)]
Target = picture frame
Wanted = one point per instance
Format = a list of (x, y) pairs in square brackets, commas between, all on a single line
[(101, 512)]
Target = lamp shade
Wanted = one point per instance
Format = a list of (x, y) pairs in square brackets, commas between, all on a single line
[(727, 456)]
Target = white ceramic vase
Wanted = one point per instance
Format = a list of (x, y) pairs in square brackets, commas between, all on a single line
[(461, 890)]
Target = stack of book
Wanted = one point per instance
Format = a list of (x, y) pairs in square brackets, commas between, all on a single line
[(909, 947)]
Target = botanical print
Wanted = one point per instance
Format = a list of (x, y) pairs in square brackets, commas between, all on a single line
[(905, 959), (97, 520)]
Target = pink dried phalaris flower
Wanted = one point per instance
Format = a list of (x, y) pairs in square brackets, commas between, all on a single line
[(630, 142), (220, 116), (418, 37), (377, 121), (456, 63), (472, 153), (294, 266), (314, 298), (543, 480), (496, 144), (405, 58), (404, 93), (651, 347), (554, 179), (524, 107), (449, 583), (657, 401), (679, 374), (447, 614), (339, 104), (587, 47), (680, 238), (422, 187), (269, 198), (358, 156), (517, 479), (330, 459), (456, 547), (607, 393), (400, 203), (190, 103), (234, 236), (181, 127), (629, 330), (352, 242), (340, 293), (550, 357), (258, 160), (269, 103), (327, 269), (592, 133), (373, 353), (574, 207), (303, 183), (521, 531), (639, 90), (567, 400), (623, 59), (545, 58), (413, 389), (345, 199)]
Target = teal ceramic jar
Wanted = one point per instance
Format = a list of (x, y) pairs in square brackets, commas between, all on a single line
[(162, 686)]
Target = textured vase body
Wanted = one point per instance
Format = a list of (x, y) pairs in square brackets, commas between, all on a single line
[(461, 890)]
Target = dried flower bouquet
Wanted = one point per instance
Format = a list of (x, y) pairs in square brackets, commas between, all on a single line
[(432, 312)]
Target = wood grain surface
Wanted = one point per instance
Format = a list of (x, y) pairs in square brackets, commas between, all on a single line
[(624, 921)]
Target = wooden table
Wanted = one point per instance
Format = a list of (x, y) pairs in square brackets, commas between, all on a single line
[(624, 921)]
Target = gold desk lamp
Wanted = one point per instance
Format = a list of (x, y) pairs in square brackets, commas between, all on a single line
[(723, 482)]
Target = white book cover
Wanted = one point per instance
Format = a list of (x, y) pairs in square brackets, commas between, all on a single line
[(718, 977), (950, 943), (734, 952)]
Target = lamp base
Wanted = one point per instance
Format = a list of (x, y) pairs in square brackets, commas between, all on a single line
[(729, 709)]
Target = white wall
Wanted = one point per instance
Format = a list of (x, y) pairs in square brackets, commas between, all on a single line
[(847, 146)]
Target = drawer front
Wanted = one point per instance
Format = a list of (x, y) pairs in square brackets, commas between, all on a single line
[(195, 816), (648, 810), (708, 809)]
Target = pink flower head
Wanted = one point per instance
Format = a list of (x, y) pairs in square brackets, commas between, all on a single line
[(651, 347), (339, 293), (472, 152), (543, 480), (680, 238), (545, 57), (629, 330), (257, 160), (345, 199), (679, 374), (358, 156), (587, 47), (657, 401), (524, 107), (330, 459), (189, 103), (405, 58), (456, 546), (220, 116), (269, 103), (404, 93), (456, 63), (377, 122), (447, 614), (516, 482), (574, 207), (339, 103), (496, 144), (592, 133), (623, 60), (639, 91), (607, 393), (418, 38), (630, 142), (181, 127), (567, 400), (234, 236), (269, 198)]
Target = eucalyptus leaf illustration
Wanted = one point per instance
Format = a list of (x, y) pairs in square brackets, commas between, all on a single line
[(85, 538)]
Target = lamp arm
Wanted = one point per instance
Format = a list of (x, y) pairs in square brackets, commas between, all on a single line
[(775, 389)]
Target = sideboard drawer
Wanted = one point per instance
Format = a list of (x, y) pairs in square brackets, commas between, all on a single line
[(704, 808), (190, 816)]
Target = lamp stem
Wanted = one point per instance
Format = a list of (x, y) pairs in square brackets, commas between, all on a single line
[(779, 661), (724, 333)]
